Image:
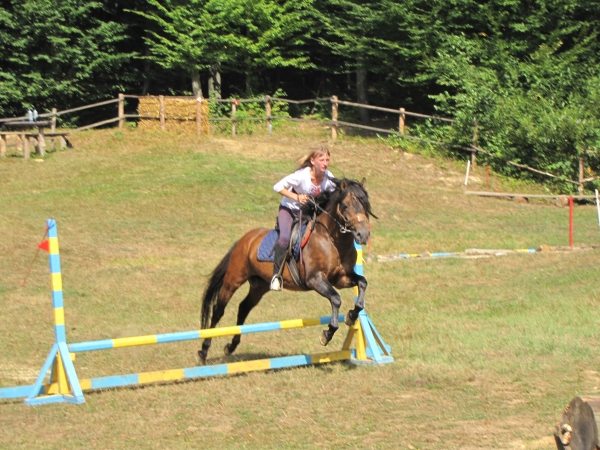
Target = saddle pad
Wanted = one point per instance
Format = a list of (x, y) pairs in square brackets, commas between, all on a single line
[(265, 249)]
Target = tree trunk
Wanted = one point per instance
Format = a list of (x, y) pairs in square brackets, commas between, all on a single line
[(196, 82), (248, 84), (146, 86), (214, 82), (147, 72), (577, 429), (361, 93)]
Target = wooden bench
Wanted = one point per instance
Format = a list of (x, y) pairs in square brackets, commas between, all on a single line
[(27, 131)]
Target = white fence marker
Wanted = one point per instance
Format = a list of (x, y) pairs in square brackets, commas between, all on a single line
[(598, 206), (467, 174)]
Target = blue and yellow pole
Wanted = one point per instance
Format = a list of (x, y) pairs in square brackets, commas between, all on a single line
[(64, 385), (370, 347), (56, 283)]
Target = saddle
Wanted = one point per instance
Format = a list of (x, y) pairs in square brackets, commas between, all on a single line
[(299, 237)]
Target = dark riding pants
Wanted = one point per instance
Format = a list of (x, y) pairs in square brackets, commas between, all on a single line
[(285, 218)]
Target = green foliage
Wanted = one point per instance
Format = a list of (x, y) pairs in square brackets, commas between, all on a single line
[(250, 115), (240, 35), (362, 34), (537, 110), (278, 108), (58, 53)]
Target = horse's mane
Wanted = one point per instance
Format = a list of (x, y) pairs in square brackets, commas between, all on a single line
[(328, 200)]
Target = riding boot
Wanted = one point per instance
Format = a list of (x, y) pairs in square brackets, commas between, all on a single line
[(277, 280)]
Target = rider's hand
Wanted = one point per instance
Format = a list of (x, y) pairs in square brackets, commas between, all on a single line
[(302, 198)]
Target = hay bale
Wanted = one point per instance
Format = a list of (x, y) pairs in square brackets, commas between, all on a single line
[(149, 106), (180, 114)]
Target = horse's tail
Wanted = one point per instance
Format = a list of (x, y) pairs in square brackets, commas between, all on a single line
[(211, 293)]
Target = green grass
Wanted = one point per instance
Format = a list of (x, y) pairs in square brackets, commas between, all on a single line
[(487, 351)]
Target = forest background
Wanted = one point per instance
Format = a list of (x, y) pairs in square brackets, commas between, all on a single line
[(526, 70)]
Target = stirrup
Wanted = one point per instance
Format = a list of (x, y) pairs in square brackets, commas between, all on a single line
[(276, 283)]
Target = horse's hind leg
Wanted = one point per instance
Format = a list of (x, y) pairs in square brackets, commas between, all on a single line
[(258, 288), (225, 295), (217, 313)]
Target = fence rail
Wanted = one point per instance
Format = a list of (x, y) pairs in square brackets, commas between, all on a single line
[(393, 111), (267, 99), (301, 102), (504, 194)]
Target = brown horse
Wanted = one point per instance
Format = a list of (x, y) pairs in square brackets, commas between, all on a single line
[(329, 256)]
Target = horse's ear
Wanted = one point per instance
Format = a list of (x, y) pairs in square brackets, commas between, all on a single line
[(363, 183), (344, 184)]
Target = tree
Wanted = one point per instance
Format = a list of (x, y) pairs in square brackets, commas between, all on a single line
[(536, 108), (365, 34), (58, 53), (232, 35)]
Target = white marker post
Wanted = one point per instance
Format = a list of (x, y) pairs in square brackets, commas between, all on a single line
[(598, 206), (467, 174)]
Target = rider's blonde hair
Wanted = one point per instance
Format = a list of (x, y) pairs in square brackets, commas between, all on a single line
[(315, 153)]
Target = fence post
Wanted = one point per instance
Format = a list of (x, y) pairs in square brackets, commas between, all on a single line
[(334, 117), (3, 145), (268, 113), (233, 109), (121, 111), (161, 111), (41, 146), (199, 115), (475, 137), (401, 121), (581, 174), (53, 121), (53, 126), (25, 140)]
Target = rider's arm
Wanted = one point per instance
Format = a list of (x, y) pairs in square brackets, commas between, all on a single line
[(294, 180)]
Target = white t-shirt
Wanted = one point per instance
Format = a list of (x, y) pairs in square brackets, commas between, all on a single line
[(300, 183)]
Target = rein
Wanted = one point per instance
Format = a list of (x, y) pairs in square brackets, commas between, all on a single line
[(343, 228)]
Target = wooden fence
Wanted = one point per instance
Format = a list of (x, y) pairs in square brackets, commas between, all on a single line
[(268, 118)]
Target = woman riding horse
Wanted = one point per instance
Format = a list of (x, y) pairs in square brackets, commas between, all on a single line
[(329, 259), (311, 178)]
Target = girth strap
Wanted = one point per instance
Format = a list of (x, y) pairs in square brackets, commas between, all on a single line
[(295, 273)]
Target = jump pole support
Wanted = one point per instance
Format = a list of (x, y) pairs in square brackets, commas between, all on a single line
[(63, 384)]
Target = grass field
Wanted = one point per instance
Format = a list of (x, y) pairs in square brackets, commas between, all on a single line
[(487, 351)]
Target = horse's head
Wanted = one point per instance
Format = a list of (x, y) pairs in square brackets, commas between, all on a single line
[(347, 205), (354, 209)]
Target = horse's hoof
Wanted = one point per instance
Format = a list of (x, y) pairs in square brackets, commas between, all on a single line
[(348, 320), (200, 360), (323, 339), (226, 350)]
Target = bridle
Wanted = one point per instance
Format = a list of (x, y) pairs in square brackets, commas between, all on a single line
[(343, 227)]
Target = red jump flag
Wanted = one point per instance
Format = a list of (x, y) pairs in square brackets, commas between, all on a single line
[(45, 245)]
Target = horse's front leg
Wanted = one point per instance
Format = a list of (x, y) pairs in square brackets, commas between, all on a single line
[(352, 280), (320, 284)]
